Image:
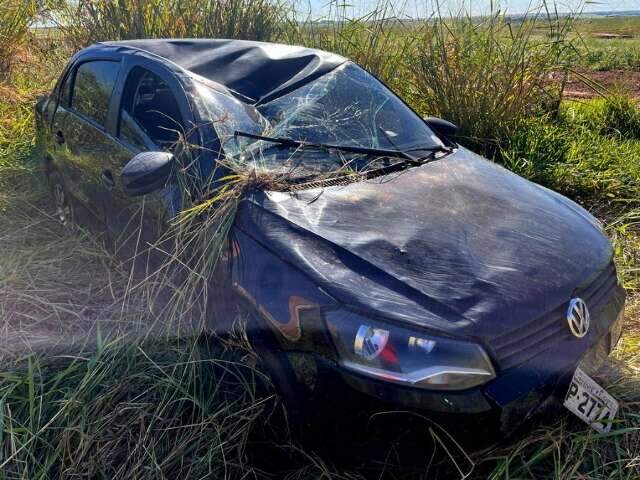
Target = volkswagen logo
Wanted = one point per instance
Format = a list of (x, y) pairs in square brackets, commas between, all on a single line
[(578, 317)]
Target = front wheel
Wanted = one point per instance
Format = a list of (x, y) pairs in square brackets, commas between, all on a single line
[(63, 207)]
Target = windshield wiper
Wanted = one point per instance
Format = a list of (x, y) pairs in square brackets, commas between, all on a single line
[(290, 142), (432, 151)]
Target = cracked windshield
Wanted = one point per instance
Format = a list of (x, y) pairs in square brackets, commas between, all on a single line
[(346, 107)]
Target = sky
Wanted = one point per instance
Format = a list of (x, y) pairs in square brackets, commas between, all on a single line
[(422, 8)]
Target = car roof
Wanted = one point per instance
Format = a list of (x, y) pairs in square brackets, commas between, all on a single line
[(255, 71)]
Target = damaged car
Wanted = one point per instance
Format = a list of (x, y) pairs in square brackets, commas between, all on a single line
[(399, 269)]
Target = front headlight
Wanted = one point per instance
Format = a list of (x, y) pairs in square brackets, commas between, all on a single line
[(400, 355)]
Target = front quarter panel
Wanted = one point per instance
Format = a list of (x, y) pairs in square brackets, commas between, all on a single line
[(277, 292)]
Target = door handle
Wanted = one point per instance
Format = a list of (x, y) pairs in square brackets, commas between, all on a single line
[(59, 137), (107, 179)]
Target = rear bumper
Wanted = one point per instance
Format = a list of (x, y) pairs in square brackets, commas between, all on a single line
[(498, 410)]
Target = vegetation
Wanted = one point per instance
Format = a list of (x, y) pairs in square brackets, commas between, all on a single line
[(458, 63), (86, 21), (611, 54), (15, 19), (130, 411), (146, 406), (610, 43)]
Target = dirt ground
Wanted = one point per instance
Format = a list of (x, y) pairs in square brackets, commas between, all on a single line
[(589, 84), (60, 291)]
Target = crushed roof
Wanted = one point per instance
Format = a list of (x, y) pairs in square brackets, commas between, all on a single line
[(257, 71)]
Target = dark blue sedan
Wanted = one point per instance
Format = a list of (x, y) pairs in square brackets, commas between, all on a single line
[(433, 281)]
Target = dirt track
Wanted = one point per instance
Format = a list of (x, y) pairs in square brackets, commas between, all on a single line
[(622, 81)]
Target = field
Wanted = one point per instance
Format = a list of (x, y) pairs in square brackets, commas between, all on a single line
[(94, 384)]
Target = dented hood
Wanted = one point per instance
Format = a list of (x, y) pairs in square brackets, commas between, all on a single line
[(459, 244)]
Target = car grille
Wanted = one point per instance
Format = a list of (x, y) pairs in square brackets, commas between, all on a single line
[(518, 346)]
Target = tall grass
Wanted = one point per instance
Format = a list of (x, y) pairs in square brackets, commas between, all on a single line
[(379, 40), (150, 411), (88, 21), (486, 74), (15, 19)]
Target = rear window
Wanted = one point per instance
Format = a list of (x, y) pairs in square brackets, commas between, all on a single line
[(92, 89)]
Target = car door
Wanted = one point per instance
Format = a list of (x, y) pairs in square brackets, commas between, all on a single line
[(79, 128), (151, 115)]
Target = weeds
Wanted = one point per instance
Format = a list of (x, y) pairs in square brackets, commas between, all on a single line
[(533, 147), (602, 159), (621, 117), (153, 410)]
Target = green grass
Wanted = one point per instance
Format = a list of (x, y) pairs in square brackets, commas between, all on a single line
[(605, 54), (614, 54), (153, 410), (591, 152)]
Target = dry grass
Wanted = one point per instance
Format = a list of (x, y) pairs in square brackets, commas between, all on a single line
[(56, 289)]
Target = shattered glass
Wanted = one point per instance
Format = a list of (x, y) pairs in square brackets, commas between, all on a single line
[(228, 114), (346, 107)]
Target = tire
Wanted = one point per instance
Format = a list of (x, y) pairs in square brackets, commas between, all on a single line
[(61, 200), (276, 364)]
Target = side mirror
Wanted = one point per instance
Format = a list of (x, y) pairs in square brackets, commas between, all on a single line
[(441, 127), (146, 172)]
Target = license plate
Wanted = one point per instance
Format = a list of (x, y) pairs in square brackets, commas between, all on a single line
[(590, 402)]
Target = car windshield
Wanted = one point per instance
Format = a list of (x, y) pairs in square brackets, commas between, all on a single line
[(345, 107)]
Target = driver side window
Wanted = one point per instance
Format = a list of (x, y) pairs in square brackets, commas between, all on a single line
[(149, 114)]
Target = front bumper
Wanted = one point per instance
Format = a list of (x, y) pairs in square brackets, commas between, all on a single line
[(498, 409), (540, 385)]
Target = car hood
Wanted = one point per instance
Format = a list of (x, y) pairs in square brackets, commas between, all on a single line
[(459, 244)]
